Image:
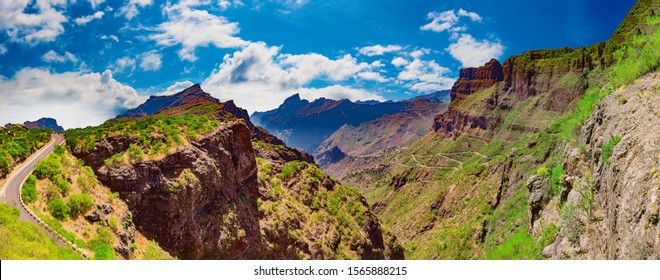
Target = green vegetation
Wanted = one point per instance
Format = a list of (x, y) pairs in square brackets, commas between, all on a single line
[(17, 143), (23, 240), (549, 235), (571, 222), (154, 252), (48, 167), (29, 190), (557, 179), (608, 148), (79, 204), (58, 209), (156, 135), (519, 246)]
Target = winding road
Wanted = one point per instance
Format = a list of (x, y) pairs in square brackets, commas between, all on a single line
[(11, 191)]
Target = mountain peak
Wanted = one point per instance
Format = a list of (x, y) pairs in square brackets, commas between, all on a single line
[(191, 94), (44, 123)]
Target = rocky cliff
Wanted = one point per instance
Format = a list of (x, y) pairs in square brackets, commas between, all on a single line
[(207, 184), (612, 179)]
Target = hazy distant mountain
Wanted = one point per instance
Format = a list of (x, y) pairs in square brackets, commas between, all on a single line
[(44, 123), (305, 125)]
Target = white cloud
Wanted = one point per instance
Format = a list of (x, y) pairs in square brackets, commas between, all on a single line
[(372, 76), (110, 37), (43, 22), (379, 50), (3, 49), (474, 53), (473, 16), (192, 28), (399, 61), (151, 61), (425, 76), (95, 3), (52, 56), (124, 63), (176, 88), (85, 19), (226, 4), (259, 78), (447, 20), (75, 99), (130, 9)]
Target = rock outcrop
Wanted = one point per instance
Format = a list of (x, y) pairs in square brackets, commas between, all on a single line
[(49, 123), (619, 191), (471, 79)]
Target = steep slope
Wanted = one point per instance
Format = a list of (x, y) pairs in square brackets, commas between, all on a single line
[(207, 184), (43, 123), (611, 181), (469, 190), (352, 147), (156, 103), (306, 125)]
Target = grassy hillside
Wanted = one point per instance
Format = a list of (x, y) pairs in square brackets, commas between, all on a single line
[(21, 240), (467, 198), (17, 143)]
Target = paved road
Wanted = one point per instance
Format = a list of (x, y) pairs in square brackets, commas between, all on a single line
[(12, 187)]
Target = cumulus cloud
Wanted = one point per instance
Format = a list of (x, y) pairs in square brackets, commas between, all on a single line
[(75, 99), (472, 52), (130, 9), (424, 75), (192, 28), (447, 20), (3, 49), (379, 50), (226, 4), (259, 78), (151, 61), (176, 87), (54, 57), (124, 63), (86, 19), (372, 76), (32, 24), (399, 61)]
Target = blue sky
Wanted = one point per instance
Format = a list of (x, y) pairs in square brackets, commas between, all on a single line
[(83, 62)]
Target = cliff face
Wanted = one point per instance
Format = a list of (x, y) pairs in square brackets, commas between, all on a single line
[(550, 80), (620, 177), (232, 192), (471, 80)]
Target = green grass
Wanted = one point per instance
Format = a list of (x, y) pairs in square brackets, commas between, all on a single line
[(520, 246), (25, 241)]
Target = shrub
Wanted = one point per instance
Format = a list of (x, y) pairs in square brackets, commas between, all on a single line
[(58, 209), (29, 191), (543, 171), (608, 148), (549, 235), (571, 223), (135, 152), (59, 150), (113, 224), (63, 185), (557, 179), (48, 167), (289, 169), (79, 204)]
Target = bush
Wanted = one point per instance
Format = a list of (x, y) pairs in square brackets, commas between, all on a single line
[(48, 167), (549, 235), (557, 179), (543, 171), (58, 209), (608, 148), (135, 152), (59, 150), (63, 185), (571, 223), (289, 169), (79, 204), (29, 191)]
